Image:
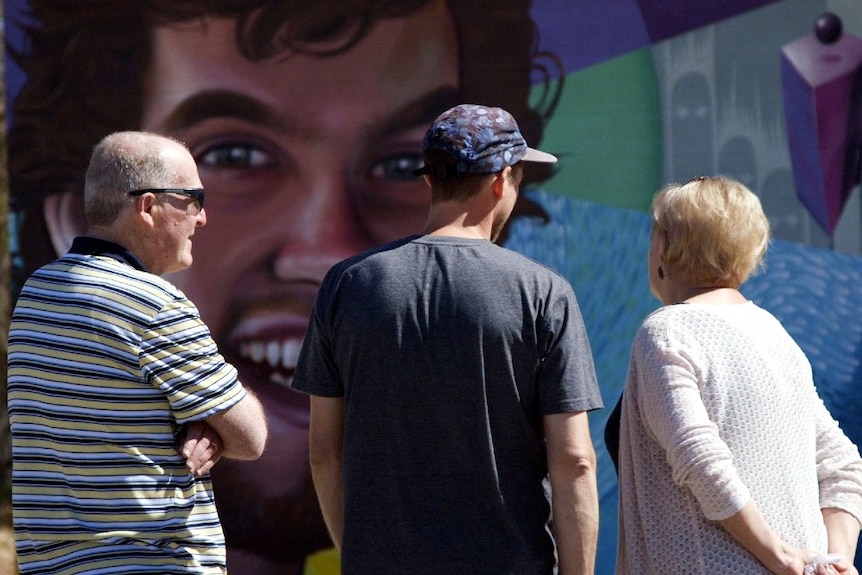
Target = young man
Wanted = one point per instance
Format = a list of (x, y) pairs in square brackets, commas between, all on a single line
[(449, 377), (306, 119), (111, 374)]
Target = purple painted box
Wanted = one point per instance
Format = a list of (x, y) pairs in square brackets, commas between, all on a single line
[(819, 83)]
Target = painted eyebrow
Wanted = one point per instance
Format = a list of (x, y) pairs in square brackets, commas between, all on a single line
[(421, 111), (211, 104), (220, 104)]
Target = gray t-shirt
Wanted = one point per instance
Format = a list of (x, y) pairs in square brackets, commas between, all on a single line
[(448, 352)]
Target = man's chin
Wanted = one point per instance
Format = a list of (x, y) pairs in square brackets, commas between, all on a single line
[(285, 527)]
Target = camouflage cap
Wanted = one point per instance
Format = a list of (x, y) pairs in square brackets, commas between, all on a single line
[(470, 139)]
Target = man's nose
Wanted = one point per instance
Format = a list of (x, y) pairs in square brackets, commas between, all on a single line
[(324, 230)]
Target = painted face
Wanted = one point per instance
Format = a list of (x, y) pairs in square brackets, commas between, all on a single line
[(305, 160)]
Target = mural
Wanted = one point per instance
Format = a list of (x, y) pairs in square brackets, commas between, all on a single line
[(306, 120)]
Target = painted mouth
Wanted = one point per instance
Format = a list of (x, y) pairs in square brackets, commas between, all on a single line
[(273, 360), (265, 345)]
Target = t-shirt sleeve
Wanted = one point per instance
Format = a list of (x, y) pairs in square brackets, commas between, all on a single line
[(179, 356), (316, 371), (567, 376)]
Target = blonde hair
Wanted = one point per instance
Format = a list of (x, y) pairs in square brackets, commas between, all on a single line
[(711, 230)]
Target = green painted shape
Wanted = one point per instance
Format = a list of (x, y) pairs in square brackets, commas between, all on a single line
[(607, 131)]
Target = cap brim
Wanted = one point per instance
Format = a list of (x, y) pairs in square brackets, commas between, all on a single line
[(538, 156)]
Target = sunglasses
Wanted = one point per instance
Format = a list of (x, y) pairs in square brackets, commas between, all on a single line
[(197, 194)]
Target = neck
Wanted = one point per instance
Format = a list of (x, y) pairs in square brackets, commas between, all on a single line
[(106, 234), (128, 241), (717, 295), (455, 220)]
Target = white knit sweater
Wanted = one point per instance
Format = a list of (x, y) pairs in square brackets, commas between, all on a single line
[(720, 407)]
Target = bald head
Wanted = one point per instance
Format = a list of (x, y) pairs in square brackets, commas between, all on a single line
[(157, 222), (126, 161)]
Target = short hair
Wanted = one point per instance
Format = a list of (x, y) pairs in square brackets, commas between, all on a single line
[(464, 187), (85, 61), (122, 162), (458, 189), (711, 230)]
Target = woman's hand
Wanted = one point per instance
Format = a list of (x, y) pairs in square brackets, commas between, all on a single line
[(830, 564)]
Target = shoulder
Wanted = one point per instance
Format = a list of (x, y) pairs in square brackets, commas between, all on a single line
[(143, 286), (671, 324), (662, 318), (526, 262), (148, 294), (368, 264), (531, 276), (378, 254), (103, 274)]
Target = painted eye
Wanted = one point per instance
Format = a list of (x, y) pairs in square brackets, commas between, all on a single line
[(236, 156), (398, 167)]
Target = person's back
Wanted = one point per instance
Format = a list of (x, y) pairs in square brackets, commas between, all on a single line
[(449, 378), (441, 343), (755, 380)]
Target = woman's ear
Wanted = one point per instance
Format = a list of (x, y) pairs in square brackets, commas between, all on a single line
[(64, 218)]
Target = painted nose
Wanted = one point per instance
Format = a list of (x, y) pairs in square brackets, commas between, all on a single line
[(323, 231)]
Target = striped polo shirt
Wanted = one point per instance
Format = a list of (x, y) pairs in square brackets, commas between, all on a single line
[(106, 363)]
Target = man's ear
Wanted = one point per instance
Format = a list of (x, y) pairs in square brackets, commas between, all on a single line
[(64, 218), (500, 182)]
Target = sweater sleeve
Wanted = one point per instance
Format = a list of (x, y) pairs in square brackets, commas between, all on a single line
[(839, 467), (670, 365)]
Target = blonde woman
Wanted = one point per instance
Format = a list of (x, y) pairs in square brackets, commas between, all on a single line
[(729, 462)]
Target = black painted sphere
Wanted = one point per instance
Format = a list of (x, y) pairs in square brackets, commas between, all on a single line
[(828, 27)]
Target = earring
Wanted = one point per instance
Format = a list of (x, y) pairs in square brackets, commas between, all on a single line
[(660, 273)]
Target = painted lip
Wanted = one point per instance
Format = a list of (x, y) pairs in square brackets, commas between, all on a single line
[(264, 346)]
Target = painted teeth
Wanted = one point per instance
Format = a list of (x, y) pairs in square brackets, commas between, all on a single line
[(275, 353)]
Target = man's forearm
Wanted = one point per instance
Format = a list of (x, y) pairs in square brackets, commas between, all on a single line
[(574, 495), (576, 522), (327, 483), (325, 451)]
